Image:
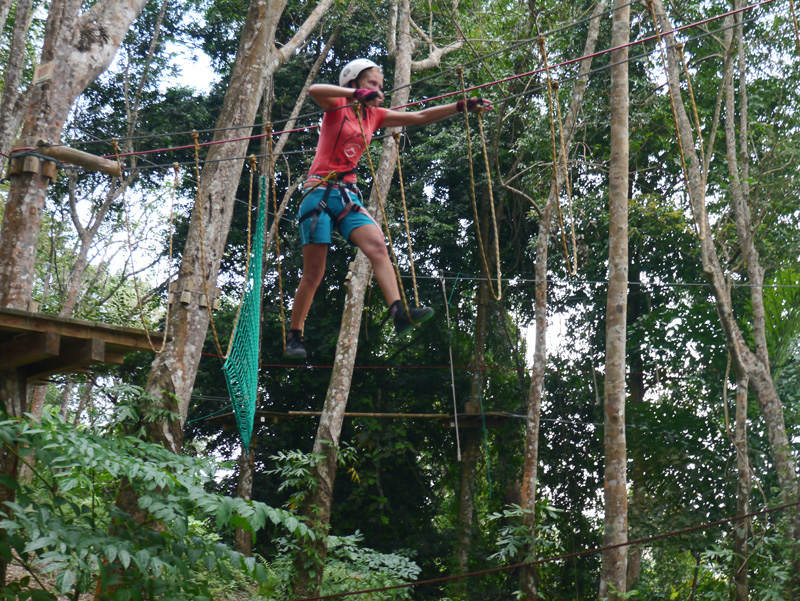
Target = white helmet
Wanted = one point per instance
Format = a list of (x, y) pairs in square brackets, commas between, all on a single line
[(354, 68)]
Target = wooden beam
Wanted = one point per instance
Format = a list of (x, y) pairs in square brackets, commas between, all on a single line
[(79, 354), (29, 348), (65, 154)]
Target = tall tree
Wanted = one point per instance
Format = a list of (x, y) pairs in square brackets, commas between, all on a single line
[(537, 385), (615, 490), (754, 363), (78, 45)]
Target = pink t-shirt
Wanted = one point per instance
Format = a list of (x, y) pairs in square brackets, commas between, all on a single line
[(340, 141)]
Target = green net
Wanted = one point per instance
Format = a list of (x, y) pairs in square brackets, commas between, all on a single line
[(241, 365)]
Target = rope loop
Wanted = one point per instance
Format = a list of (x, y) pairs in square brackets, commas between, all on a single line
[(484, 261)]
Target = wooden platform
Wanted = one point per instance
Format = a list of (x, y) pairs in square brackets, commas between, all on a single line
[(44, 345)]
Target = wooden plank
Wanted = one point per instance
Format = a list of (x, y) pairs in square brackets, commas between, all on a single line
[(120, 338), (29, 348), (77, 354), (83, 159)]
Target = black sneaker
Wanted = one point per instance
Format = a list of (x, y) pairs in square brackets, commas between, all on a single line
[(295, 349), (403, 323)]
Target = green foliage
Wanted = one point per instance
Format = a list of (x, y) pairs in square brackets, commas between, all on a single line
[(71, 522)]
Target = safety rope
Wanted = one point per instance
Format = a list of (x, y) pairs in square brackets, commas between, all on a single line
[(126, 213), (396, 136), (484, 261), (794, 22), (195, 138), (357, 111), (550, 88), (452, 369), (679, 48), (271, 170), (563, 557)]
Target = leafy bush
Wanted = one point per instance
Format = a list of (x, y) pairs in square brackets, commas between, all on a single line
[(66, 521)]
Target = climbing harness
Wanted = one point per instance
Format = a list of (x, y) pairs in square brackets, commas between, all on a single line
[(332, 181)]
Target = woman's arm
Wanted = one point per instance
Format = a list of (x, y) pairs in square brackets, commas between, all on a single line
[(434, 113), (324, 93)]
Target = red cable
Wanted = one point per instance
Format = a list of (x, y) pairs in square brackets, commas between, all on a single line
[(477, 87)]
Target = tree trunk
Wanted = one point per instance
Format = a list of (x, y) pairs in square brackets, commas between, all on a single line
[(175, 369), (244, 490), (12, 107), (744, 485), (615, 522), (472, 437), (755, 365), (80, 46), (637, 308), (536, 390)]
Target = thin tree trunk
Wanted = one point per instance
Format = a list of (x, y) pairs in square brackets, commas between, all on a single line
[(317, 506), (12, 107), (755, 365), (5, 8), (466, 495), (244, 490), (615, 521), (536, 390), (744, 485)]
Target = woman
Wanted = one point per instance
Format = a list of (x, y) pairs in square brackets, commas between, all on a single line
[(333, 200)]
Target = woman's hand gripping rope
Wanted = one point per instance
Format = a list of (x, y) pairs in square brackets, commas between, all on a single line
[(474, 105)]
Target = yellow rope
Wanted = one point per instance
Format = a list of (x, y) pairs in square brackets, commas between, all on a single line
[(794, 21), (115, 147), (396, 136), (195, 138), (252, 162), (551, 112), (679, 47), (271, 175), (357, 111), (484, 261)]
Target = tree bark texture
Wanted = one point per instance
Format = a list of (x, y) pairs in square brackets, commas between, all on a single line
[(743, 486), (12, 107), (175, 369), (754, 364), (536, 389), (244, 490), (80, 46), (613, 577)]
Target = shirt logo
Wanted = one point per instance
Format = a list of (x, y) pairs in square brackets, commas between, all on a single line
[(351, 150)]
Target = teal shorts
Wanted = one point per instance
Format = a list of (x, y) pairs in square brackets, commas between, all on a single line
[(324, 224)]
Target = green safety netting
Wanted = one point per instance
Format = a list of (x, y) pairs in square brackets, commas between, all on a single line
[(241, 364)]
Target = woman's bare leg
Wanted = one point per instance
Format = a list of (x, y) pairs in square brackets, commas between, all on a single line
[(314, 256)]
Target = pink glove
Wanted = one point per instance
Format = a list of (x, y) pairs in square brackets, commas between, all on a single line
[(363, 95), (474, 105)]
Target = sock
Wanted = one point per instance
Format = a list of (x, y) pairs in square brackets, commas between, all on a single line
[(395, 307), (296, 334)]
